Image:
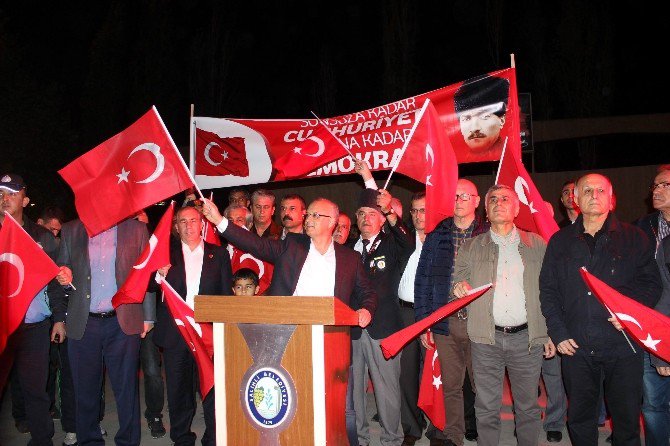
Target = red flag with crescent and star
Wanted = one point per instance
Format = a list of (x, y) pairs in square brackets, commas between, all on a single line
[(154, 256), (25, 269), (240, 259), (431, 396), (647, 326), (317, 148), (127, 173), (534, 214), (198, 336), (216, 155)]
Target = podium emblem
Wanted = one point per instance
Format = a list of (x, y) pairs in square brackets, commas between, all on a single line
[(268, 400)]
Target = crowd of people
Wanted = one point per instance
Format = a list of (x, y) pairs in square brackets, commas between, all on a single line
[(539, 321)]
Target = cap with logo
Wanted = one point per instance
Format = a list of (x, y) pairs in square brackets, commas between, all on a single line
[(11, 182)]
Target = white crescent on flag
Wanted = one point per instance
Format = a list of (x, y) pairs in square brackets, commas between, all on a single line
[(153, 242), (629, 318), (15, 260), (261, 267), (155, 150), (207, 149), (321, 147), (521, 187)]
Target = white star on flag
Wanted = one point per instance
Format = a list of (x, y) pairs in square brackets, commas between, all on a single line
[(437, 381), (225, 155), (650, 342), (428, 183), (123, 176), (297, 150)]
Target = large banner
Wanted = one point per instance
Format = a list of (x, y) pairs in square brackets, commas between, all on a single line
[(477, 116)]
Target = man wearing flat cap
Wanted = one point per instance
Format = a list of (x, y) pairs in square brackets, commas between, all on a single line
[(384, 255), (30, 342)]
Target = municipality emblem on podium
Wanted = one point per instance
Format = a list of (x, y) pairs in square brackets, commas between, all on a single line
[(267, 397)]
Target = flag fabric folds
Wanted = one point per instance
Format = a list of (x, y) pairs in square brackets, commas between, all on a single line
[(431, 396), (534, 215), (240, 259), (393, 344), (127, 173), (647, 326), (220, 155), (199, 337), (25, 269), (154, 256)]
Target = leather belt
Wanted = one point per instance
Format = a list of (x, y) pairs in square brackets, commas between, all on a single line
[(404, 303), (510, 330), (105, 315)]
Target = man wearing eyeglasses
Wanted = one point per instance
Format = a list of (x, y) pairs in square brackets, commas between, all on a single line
[(586, 336), (505, 325), (656, 380), (432, 288)]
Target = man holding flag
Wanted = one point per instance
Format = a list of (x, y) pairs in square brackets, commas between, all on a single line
[(196, 267), (591, 347), (30, 342)]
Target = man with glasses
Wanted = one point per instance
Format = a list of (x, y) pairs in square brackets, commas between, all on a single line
[(432, 291), (505, 325), (656, 380), (593, 351)]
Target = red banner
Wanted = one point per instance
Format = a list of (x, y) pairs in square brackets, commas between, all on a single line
[(477, 116)]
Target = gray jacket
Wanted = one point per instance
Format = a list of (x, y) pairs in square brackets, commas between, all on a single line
[(477, 263)]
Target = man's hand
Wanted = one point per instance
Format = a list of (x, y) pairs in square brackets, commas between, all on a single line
[(616, 323), (364, 317), (384, 200), (164, 270), (362, 169), (568, 347), (211, 212), (461, 289), (64, 276), (58, 332), (426, 340), (663, 371), (148, 326), (549, 349)]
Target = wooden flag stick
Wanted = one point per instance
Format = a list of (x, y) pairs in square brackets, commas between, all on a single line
[(513, 64)]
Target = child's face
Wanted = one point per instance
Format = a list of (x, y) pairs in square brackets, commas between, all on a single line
[(245, 287)]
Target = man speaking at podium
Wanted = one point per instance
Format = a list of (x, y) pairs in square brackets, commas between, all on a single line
[(308, 264)]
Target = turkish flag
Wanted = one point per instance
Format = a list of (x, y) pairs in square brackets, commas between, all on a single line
[(209, 233), (240, 259), (199, 337), (25, 269), (154, 256), (127, 173), (393, 344), (216, 155), (647, 326), (429, 158), (534, 215), (318, 148), (431, 396)]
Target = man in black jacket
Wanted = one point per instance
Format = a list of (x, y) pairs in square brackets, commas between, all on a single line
[(30, 342), (623, 257)]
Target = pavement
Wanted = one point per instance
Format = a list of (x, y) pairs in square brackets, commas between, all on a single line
[(9, 436)]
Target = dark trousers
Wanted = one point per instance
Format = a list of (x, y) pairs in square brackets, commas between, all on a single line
[(623, 392), (180, 377), (411, 416), (104, 340), (154, 394), (31, 365)]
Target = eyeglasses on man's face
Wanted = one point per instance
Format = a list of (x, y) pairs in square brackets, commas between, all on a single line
[(316, 215), (663, 185), (465, 196), (414, 211)]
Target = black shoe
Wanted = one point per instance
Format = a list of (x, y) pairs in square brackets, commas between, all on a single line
[(471, 434), (554, 436), (409, 440), (609, 439), (22, 426), (438, 442), (156, 427)]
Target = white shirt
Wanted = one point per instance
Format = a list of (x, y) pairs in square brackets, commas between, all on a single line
[(193, 269), (509, 298), (359, 244), (406, 287), (317, 277)]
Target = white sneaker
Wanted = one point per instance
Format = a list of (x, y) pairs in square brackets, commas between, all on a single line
[(70, 439)]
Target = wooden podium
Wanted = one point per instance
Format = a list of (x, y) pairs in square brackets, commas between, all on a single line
[(281, 365)]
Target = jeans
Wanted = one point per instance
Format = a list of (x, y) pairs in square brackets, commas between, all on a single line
[(655, 405)]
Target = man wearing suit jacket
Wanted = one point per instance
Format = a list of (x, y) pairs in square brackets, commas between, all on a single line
[(384, 255), (196, 268), (97, 333)]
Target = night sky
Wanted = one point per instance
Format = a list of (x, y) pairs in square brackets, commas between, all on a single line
[(74, 73)]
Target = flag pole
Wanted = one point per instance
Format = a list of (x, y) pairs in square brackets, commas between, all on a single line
[(502, 155), (334, 135), (512, 61), (190, 175), (407, 140), (191, 148), (204, 227)]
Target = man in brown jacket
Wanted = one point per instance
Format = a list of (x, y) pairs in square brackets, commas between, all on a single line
[(505, 325)]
